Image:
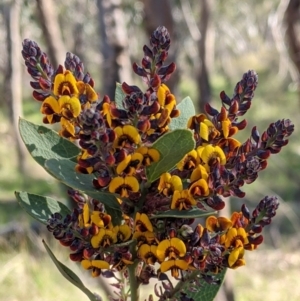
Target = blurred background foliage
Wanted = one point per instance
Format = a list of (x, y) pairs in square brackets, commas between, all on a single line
[(213, 43)]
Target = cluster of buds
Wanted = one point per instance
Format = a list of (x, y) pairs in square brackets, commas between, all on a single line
[(116, 141)]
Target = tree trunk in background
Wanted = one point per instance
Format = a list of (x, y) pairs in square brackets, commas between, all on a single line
[(159, 13), (292, 21), (116, 66), (13, 76), (203, 76), (50, 25)]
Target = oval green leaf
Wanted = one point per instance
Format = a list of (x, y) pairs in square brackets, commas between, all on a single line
[(119, 96), (43, 143), (64, 171), (187, 110), (69, 274), (172, 147), (207, 292), (40, 207)]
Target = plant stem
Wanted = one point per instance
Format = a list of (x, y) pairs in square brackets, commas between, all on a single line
[(133, 282)]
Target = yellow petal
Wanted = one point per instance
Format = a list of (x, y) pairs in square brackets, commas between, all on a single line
[(204, 131), (132, 132), (63, 82), (181, 264), (221, 155), (211, 222), (199, 173), (146, 221), (123, 164), (225, 127), (71, 80), (58, 81), (179, 245), (132, 182), (161, 249), (86, 214), (154, 154), (96, 239), (96, 219), (52, 103), (100, 264), (70, 104), (176, 183), (231, 234), (144, 249), (115, 184), (199, 188), (161, 94), (235, 254), (86, 264)]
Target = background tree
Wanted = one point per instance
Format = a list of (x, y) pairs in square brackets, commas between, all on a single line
[(292, 22), (12, 83), (114, 45), (47, 16)]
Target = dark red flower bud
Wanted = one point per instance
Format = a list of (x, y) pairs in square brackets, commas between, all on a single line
[(127, 89), (263, 165), (143, 125), (210, 110), (255, 134), (93, 230), (245, 211), (35, 85), (146, 63), (149, 110), (65, 243), (240, 125), (88, 253), (172, 232), (215, 202), (263, 154), (256, 228), (139, 70), (148, 52), (222, 115), (225, 99), (59, 70), (205, 238), (39, 95), (103, 181), (256, 240), (155, 81), (110, 160), (84, 232), (245, 106), (76, 256)]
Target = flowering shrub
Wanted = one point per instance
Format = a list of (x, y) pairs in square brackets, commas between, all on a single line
[(142, 170)]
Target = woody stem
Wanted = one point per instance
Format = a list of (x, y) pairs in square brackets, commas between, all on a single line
[(133, 280)]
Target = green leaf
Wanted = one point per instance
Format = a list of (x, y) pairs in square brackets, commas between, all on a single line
[(192, 213), (207, 292), (64, 171), (44, 143), (70, 275), (119, 96), (40, 207), (172, 147), (187, 109)]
